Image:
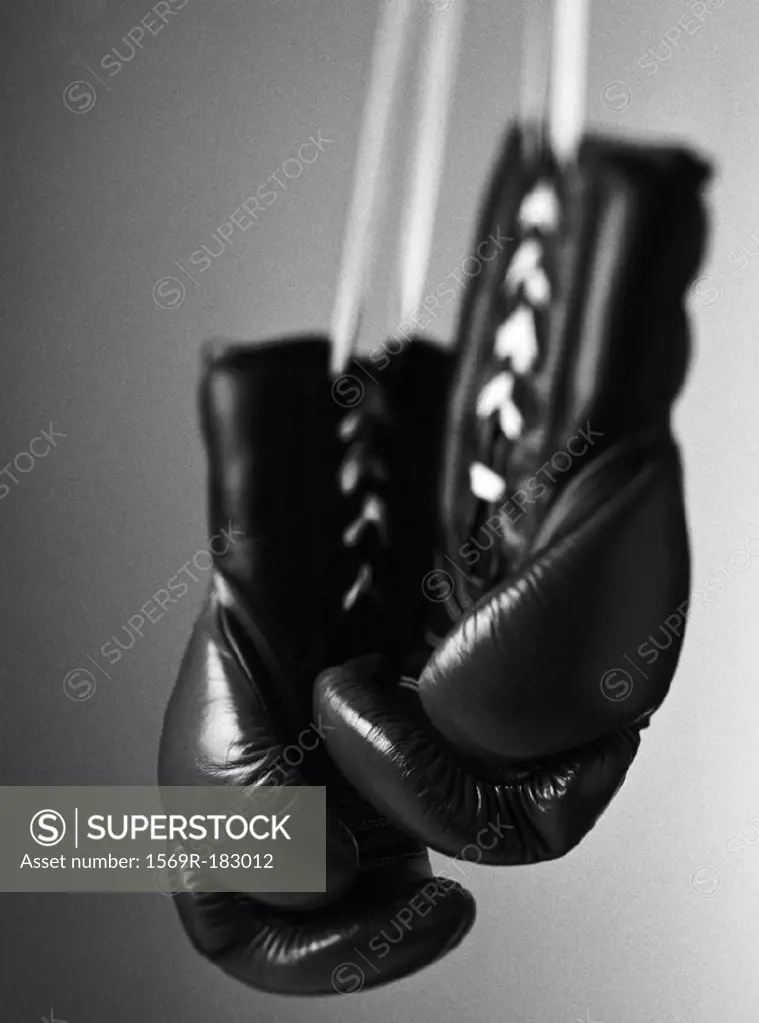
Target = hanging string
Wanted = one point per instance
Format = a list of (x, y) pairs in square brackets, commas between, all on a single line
[(434, 92), (358, 241), (569, 70), (565, 122), (535, 64)]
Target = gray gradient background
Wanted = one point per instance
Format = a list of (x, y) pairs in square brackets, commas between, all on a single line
[(99, 206)]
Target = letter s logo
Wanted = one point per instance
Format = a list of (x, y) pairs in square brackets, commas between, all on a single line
[(347, 391), (79, 97), (169, 293), (47, 827)]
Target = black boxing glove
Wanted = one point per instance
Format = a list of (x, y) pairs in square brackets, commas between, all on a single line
[(566, 558), (297, 481)]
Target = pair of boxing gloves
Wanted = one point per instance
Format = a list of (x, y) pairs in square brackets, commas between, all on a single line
[(443, 564)]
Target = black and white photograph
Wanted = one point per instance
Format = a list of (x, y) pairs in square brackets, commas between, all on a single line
[(379, 511)]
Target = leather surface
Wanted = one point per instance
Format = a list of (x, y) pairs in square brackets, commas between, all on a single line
[(520, 728)]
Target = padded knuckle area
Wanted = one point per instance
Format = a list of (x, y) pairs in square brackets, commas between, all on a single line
[(530, 671)]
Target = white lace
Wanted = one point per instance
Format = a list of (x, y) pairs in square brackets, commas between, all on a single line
[(516, 338), (373, 514)]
